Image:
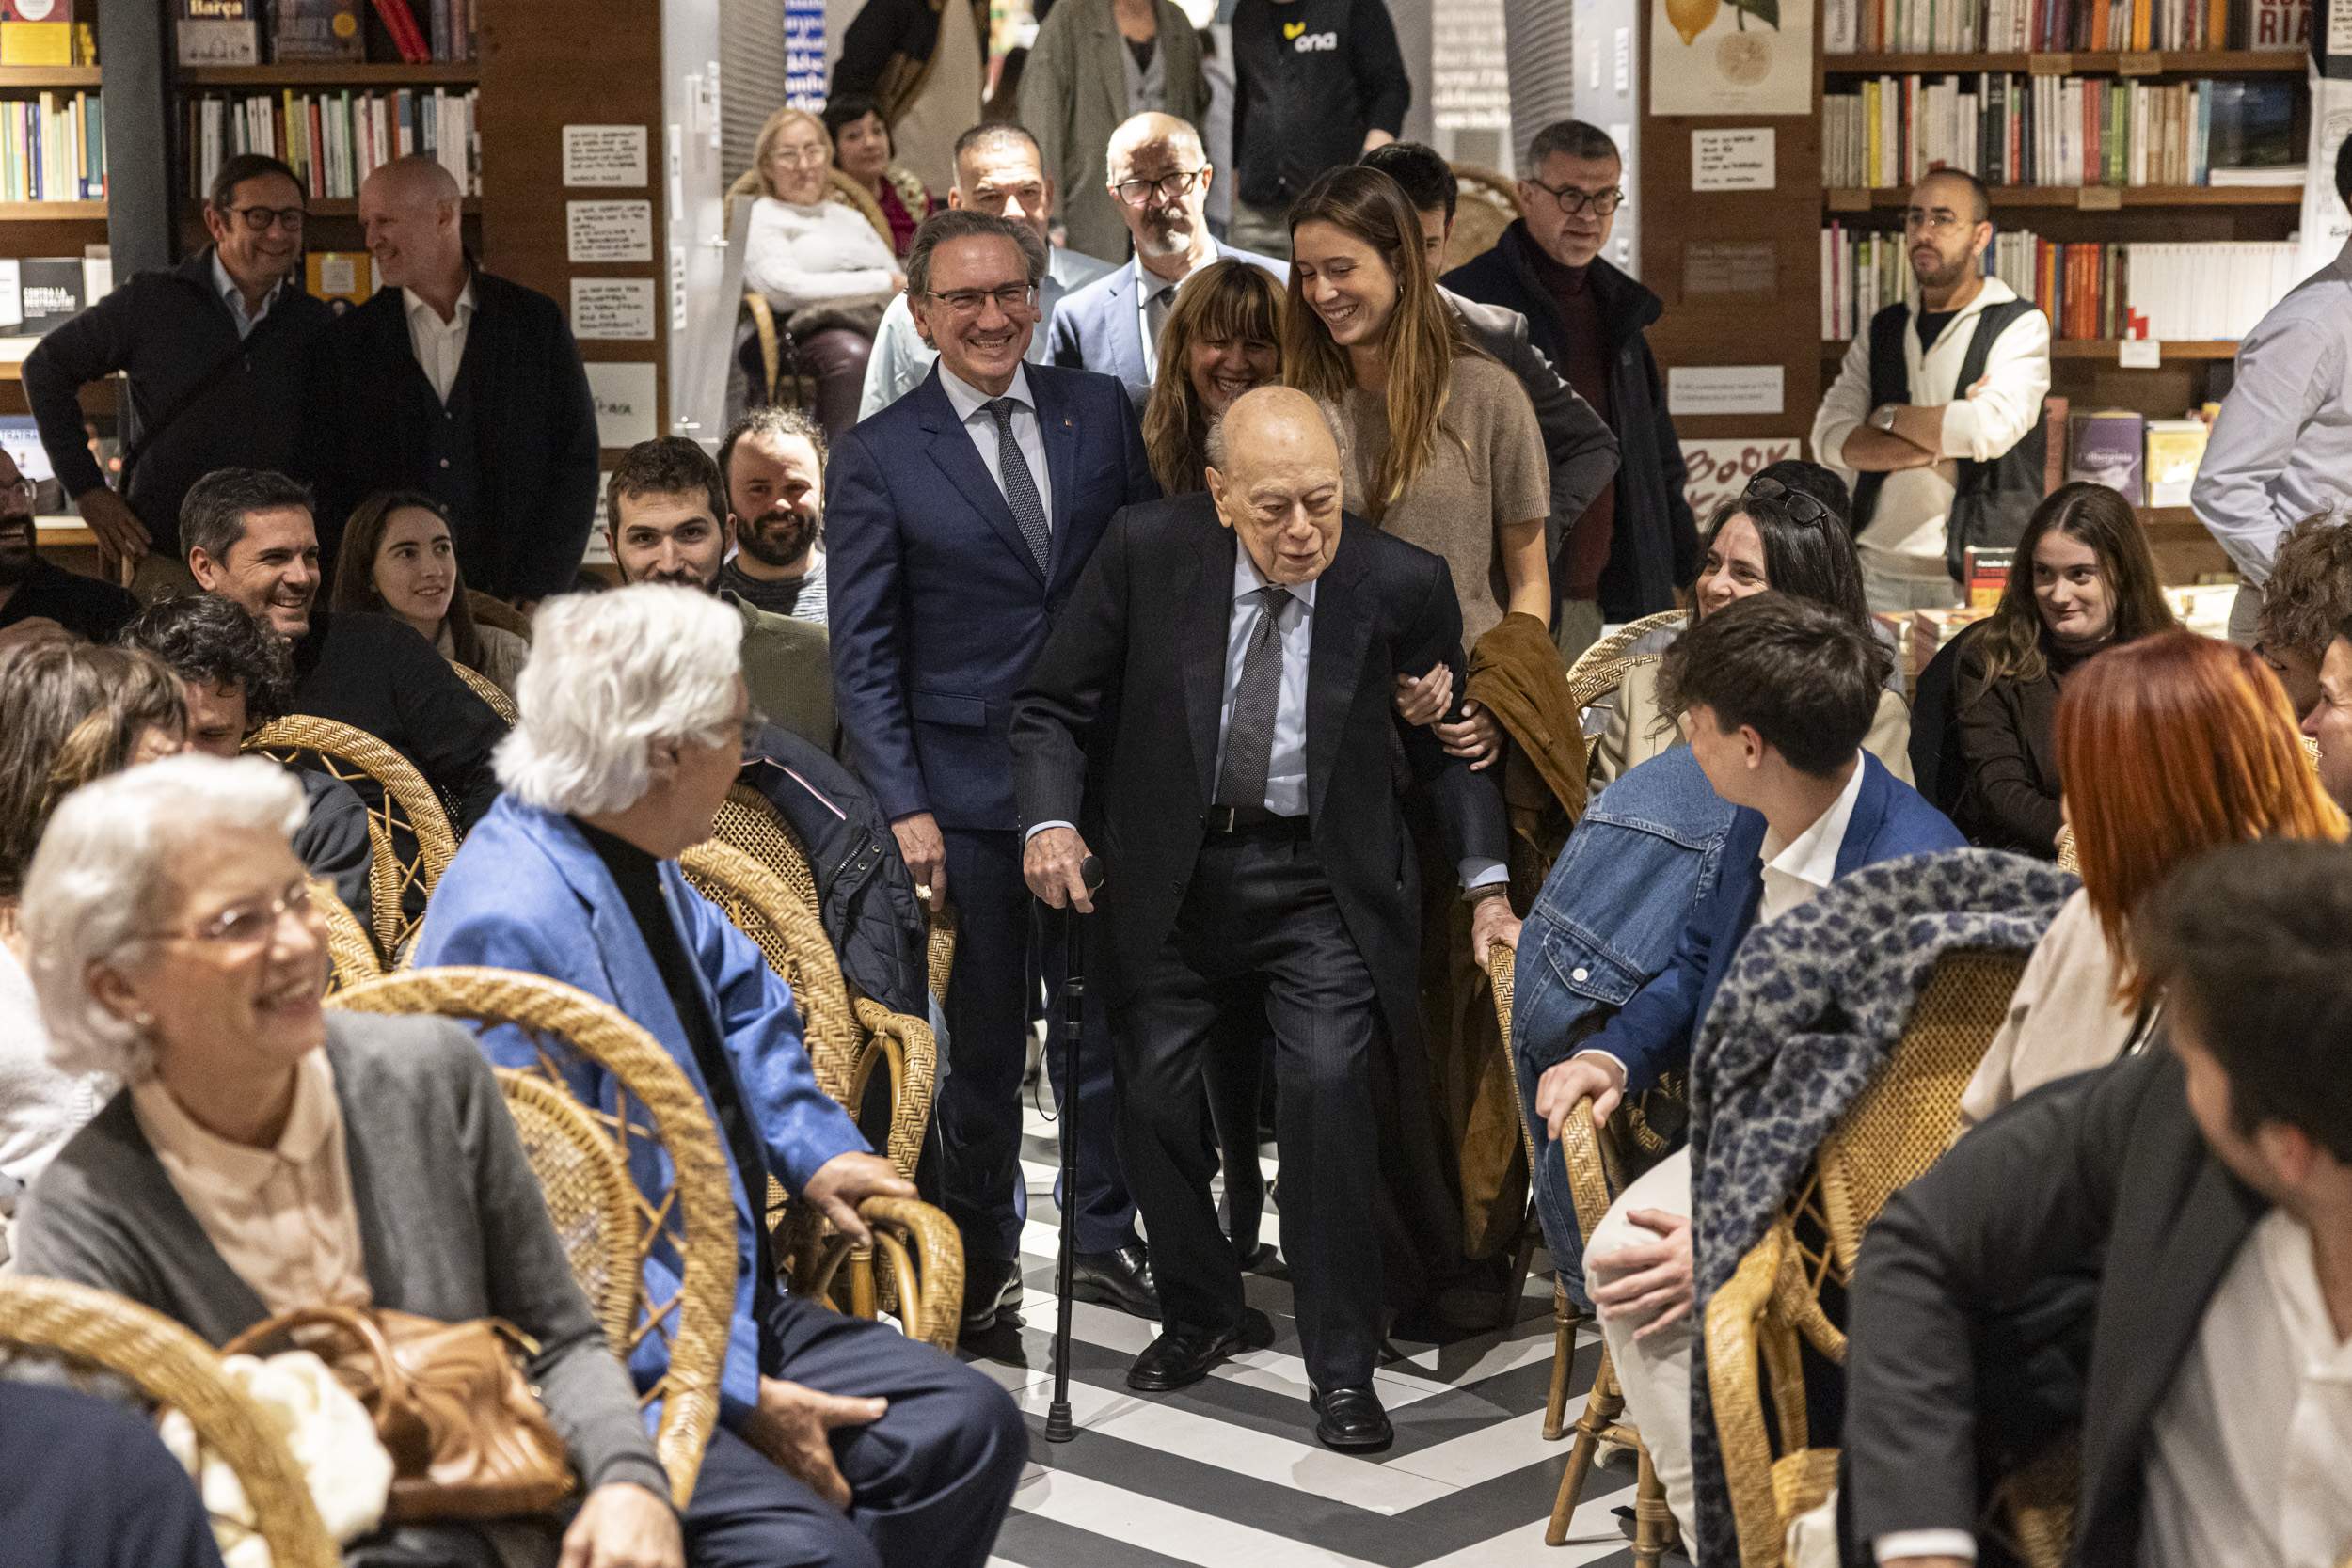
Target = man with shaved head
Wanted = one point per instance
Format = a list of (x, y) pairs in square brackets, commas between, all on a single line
[(462, 384), (1159, 177), (1211, 718)]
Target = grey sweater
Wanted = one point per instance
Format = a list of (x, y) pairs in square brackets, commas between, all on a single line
[(452, 1226)]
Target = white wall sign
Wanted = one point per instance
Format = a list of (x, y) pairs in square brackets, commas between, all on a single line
[(612, 308), (605, 156), (609, 231), (1624, 61), (1723, 389), (625, 403), (1732, 160)]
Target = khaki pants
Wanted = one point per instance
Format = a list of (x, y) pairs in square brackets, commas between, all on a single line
[(1263, 229), (1655, 1373)]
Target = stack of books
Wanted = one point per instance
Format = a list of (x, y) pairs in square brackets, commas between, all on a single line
[(1946, 26), (52, 148), (335, 139), (233, 32)]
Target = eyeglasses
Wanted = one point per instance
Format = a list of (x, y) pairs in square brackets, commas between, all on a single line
[(970, 301), (1168, 187), (259, 220), (247, 928), (1941, 220), (20, 493), (798, 157), (1807, 509), (1573, 200)]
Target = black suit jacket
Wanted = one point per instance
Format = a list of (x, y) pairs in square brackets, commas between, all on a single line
[(375, 674), (2101, 1176), (1132, 681), (531, 425)]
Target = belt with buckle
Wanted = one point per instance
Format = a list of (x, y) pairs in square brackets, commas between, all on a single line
[(1230, 821)]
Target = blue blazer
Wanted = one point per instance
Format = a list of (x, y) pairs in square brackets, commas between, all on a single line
[(938, 608), (1654, 1033), (526, 892), (1099, 328)]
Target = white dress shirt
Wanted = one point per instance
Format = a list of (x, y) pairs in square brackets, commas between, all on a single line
[(439, 345), (971, 407), (1905, 536), (2281, 447), (1286, 762), (233, 297)]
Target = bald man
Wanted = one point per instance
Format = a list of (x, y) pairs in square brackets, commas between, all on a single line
[(1256, 875), (460, 384), (1159, 181)]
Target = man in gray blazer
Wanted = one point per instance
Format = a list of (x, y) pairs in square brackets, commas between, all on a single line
[(1160, 177), (1087, 73)]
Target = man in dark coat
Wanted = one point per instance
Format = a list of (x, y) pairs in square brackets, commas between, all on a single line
[(462, 384)]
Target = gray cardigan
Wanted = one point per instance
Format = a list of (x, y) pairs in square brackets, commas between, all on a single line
[(452, 1226)]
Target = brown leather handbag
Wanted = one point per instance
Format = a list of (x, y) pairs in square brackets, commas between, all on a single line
[(467, 1436)]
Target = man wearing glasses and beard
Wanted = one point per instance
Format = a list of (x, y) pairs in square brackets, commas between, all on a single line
[(774, 464), (39, 598)]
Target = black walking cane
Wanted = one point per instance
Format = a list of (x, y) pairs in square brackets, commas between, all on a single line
[(1068, 1022)]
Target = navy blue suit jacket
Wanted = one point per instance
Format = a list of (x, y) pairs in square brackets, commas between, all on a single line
[(1654, 1033), (938, 608), (1099, 328)]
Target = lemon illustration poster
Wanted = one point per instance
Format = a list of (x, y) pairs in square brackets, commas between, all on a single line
[(1731, 57)]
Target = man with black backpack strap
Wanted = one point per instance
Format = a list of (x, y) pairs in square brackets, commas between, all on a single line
[(1937, 409)]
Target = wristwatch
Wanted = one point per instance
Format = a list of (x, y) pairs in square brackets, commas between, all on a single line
[(1882, 416)]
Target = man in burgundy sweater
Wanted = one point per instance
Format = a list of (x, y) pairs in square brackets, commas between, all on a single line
[(1635, 544)]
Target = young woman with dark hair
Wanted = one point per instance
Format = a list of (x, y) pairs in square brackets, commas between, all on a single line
[(397, 558)]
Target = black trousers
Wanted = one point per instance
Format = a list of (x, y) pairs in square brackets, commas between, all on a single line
[(1260, 949)]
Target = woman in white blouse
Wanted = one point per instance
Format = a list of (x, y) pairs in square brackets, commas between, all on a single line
[(824, 267)]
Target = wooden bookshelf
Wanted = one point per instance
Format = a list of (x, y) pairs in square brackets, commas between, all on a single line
[(42, 78), (2097, 349), (330, 73), (2085, 197), (2167, 62), (53, 211), (325, 207)]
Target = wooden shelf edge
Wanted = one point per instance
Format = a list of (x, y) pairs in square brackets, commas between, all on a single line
[(34, 77), (2110, 62), (1847, 199), (2097, 349), (329, 73), (345, 207), (53, 211)]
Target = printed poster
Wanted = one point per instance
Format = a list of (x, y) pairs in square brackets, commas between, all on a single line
[(1719, 471), (1731, 57)]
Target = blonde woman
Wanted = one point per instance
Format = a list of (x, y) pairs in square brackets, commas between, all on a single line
[(1223, 338)]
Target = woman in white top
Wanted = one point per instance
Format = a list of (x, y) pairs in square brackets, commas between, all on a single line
[(2171, 745), (825, 270), (68, 713)]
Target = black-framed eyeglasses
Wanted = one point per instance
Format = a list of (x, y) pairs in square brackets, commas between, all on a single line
[(1168, 187), (970, 301), (259, 220), (1573, 200), (1806, 509)]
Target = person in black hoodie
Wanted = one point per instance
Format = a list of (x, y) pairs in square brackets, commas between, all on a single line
[(1317, 84), (1637, 541)]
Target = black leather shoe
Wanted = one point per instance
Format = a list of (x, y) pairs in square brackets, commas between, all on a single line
[(1182, 1356), (1120, 1277), (992, 1289), (1351, 1420)]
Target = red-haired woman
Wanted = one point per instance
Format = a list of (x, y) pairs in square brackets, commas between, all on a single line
[(2170, 746)]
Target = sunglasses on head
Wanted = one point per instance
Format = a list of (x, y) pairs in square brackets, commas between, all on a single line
[(1806, 509)]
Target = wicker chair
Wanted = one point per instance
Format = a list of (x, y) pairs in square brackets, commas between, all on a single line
[(1501, 974), (93, 1330), (351, 956), (2068, 860), (1487, 204), (1598, 668), (489, 692), (1887, 1138), (607, 1225), (408, 828)]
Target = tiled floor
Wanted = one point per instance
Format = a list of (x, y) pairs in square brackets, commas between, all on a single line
[(1228, 1472)]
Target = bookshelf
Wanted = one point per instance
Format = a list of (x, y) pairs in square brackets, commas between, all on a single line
[(2163, 62), (2087, 198), (330, 74)]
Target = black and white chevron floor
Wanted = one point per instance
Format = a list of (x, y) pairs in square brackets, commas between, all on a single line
[(1228, 1473)]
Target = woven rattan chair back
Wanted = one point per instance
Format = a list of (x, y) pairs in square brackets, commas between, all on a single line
[(589, 1193), (1486, 205), (92, 1330), (351, 955), (749, 823), (489, 692), (692, 1217), (409, 837), (1599, 668)]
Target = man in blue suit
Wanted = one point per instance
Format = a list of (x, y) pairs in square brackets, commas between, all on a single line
[(1159, 179), (1775, 694), (958, 519), (839, 1441)]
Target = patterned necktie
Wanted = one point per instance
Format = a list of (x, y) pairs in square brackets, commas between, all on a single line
[(1029, 508), (1249, 734)]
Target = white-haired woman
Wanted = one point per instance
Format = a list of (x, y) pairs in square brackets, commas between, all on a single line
[(264, 1155), (633, 722)]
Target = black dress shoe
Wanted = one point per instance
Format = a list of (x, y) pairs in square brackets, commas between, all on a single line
[(1351, 1420), (992, 1289), (1182, 1356), (1120, 1277)]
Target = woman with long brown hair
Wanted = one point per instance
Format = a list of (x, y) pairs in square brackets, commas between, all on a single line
[(2172, 746), (398, 558), (2082, 581), (1223, 336), (1442, 448)]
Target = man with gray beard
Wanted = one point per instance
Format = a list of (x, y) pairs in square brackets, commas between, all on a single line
[(775, 463)]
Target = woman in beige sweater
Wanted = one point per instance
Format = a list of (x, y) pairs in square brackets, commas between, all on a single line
[(2170, 746)]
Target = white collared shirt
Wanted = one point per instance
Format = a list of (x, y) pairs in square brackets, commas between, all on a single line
[(233, 297), (439, 345), (1147, 287), (1800, 868), (1286, 762), (971, 407)]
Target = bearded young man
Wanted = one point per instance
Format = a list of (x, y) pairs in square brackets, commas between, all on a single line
[(774, 462)]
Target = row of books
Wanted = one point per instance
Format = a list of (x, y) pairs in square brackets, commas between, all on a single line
[(37, 292), (2202, 293), (333, 140), (61, 41), (2147, 462), (1948, 27), (52, 148), (248, 32), (2012, 130)]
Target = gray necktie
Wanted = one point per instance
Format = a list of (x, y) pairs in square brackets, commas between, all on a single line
[(1249, 734), (1155, 308), (1028, 509)]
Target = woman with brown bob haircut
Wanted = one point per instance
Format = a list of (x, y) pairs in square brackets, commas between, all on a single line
[(2082, 581), (2169, 747), (1223, 336)]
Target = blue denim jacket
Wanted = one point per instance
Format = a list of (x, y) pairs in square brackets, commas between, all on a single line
[(1641, 857)]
